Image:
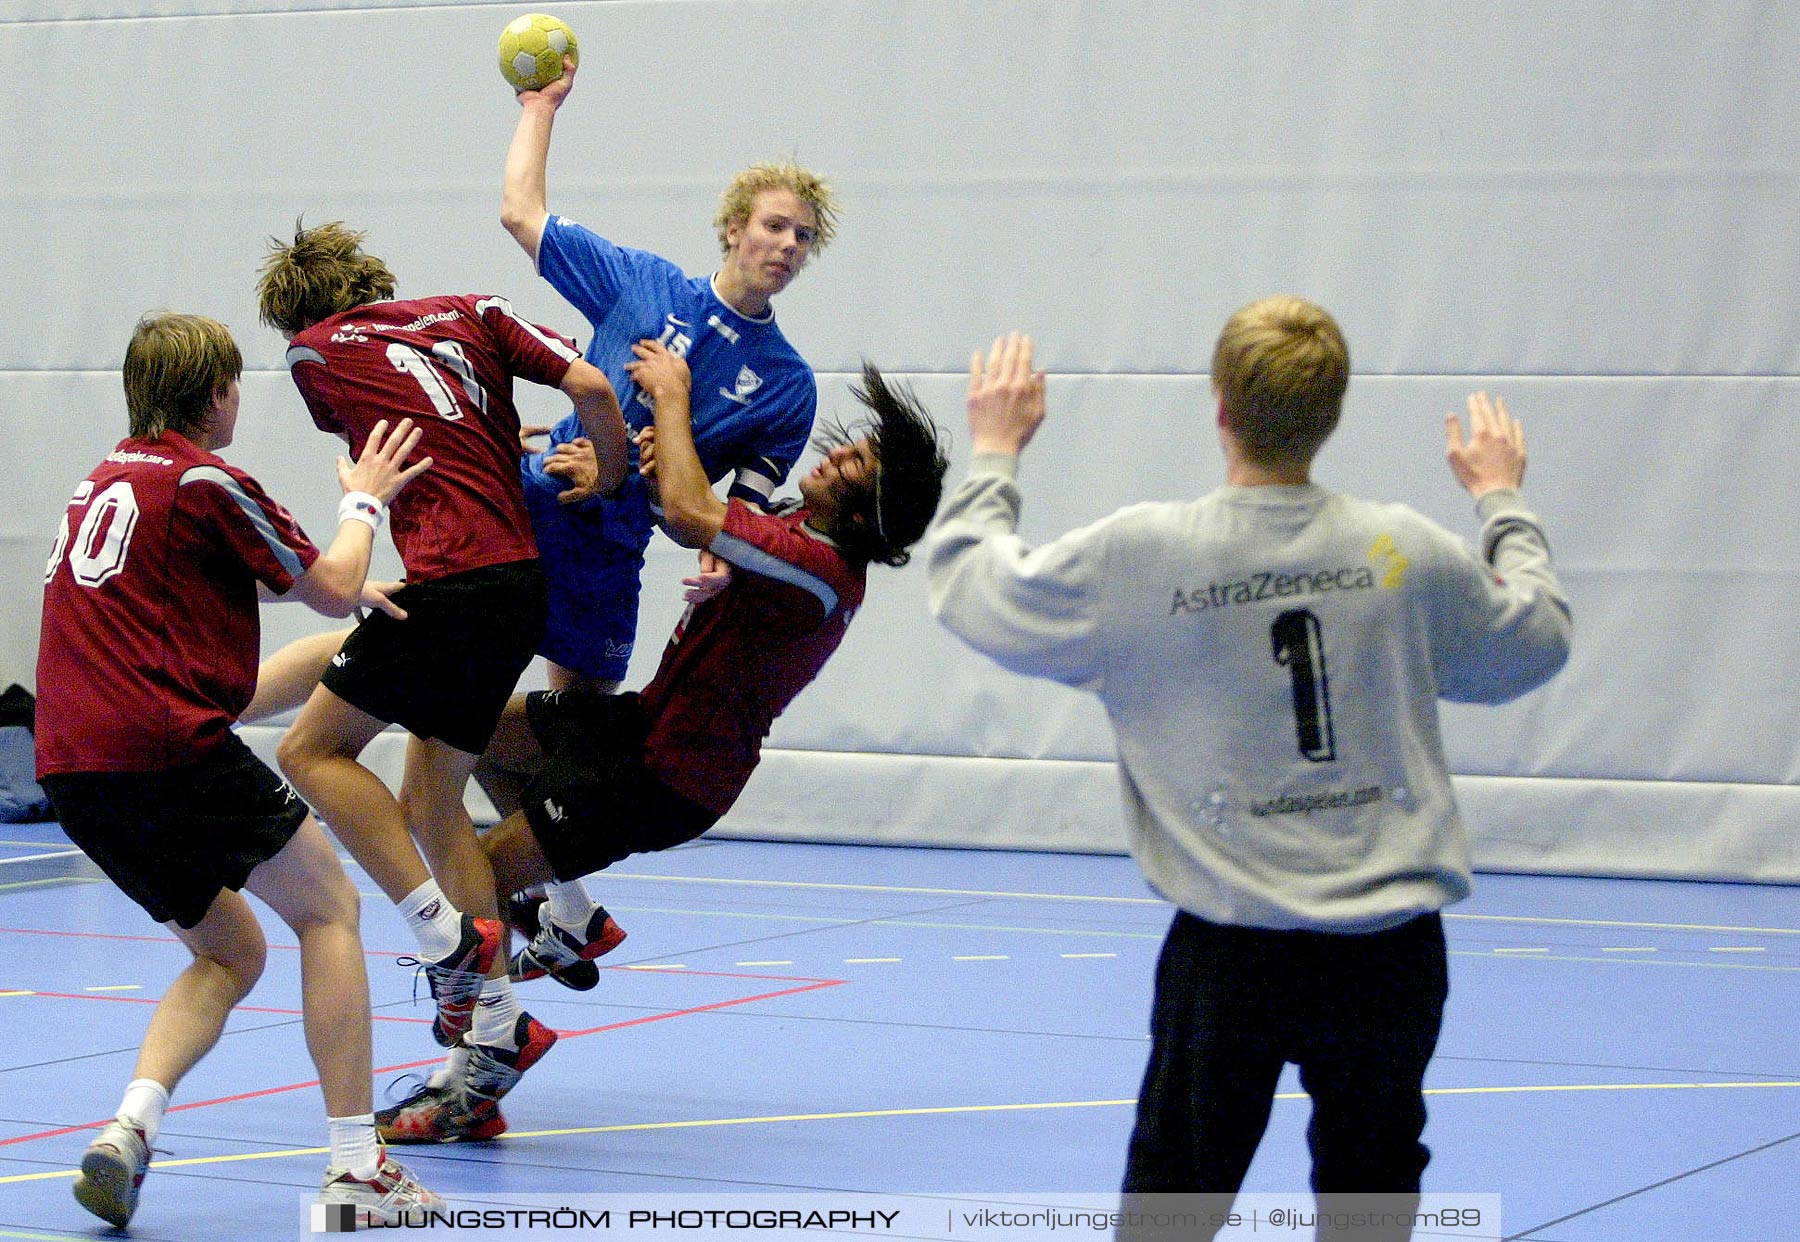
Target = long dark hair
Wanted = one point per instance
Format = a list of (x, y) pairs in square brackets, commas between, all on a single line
[(884, 519)]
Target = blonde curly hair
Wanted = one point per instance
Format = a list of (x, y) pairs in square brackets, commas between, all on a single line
[(740, 196)]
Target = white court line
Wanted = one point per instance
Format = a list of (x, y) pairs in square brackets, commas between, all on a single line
[(884, 888), (25, 858), (1157, 901)]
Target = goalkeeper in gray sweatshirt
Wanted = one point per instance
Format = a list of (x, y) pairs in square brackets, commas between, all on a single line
[(1271, 656)]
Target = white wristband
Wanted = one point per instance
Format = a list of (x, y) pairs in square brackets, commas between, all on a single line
[(361, 507)]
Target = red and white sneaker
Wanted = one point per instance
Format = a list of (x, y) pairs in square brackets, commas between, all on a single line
[(567, 955), (444, 1114), (493, 1071), (456, 979), (112, 1173), (392, 1197)]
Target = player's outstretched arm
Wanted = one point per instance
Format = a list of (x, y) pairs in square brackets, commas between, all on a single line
[(334, 583), (1494, 455), (693, 514), (524, 199)]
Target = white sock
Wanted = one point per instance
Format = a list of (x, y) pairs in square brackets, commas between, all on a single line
[(496, 1015), (353, 1145), (432, 918), (143, 1105), (567, 902), (452, 1068)]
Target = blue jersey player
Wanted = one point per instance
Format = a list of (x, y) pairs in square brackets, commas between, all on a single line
[(753, 395), (753, 402), (753, 399)]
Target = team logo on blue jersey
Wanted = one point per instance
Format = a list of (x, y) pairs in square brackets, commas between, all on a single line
[(748, 381)]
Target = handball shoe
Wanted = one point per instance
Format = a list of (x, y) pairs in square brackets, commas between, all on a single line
[(567, 955), (392, 1197), (112, 1173), (446, 1114), (493, 1071), (456, 980)]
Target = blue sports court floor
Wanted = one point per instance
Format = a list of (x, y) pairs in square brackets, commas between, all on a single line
[(1619, 1064)]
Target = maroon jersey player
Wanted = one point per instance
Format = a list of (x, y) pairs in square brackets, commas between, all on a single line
[(148, 654), (474, 597), (619, 774)]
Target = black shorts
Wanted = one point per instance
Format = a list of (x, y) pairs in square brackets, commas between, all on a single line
[(592, 802), (447, 670), (174, 839)]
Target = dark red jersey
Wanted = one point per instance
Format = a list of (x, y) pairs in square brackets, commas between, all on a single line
[(741, 657), (150, 633), (448, 363)]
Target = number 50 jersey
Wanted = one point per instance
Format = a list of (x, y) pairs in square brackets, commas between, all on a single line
[(447, 363), (150, 633)]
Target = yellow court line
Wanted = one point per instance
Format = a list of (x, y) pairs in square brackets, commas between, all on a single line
[(702, 1123), (176, 1164), (18, 992), (115, 987)]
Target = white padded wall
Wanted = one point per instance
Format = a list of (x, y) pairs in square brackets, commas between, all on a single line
[(1587, 208)]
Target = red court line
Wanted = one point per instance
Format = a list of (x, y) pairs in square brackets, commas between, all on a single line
[(810, 985)]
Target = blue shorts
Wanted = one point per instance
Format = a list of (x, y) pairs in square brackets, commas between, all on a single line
[(593, 554)]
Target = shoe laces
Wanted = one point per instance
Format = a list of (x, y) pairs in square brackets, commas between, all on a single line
[(404, 1088), (448, 985), (488, 1077)]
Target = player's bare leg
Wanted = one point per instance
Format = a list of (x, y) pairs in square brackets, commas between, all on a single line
[(560, 678), (229, 952), (286, 680), (511, 756), (515, 855), (568, 901), (431, 798), (319, 755), (307, 888)]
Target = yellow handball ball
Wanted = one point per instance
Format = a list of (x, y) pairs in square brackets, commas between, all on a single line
[(532, 48)]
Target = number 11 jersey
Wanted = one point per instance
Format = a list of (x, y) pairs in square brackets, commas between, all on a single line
[(447, 363)]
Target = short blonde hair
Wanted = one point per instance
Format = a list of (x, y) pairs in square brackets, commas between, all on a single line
[(324, 272), (174, 368), (1280, 369), (739, 198)]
